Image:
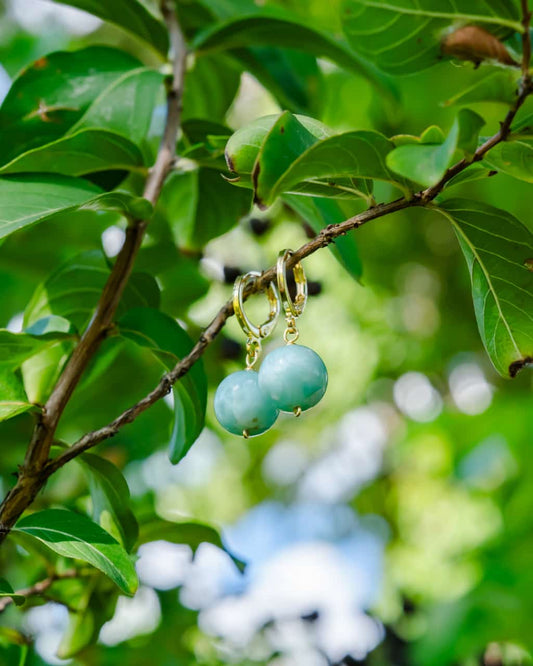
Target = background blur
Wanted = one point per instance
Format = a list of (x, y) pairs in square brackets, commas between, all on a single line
[(389, 525)]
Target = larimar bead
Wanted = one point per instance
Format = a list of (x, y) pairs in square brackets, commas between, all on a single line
[(294, 376), (241, 407)]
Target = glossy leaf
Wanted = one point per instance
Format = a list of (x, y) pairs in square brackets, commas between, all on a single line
[(201, 205), (131, 15), (359, 154), (242, 149), (7, 591), (513, 157), (290, 33), (318, 214), (426, 163), (72, 291), (169, 342), (80, 153), (73, 535), (125, 106), (17, 347), (28, 199), (402, 37), (191, 534), (498, 250), (51, 95), (110, 497)]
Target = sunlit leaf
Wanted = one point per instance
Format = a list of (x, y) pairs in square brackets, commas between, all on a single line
[(73, 535), (401, 36), (51, 95), (498, 250), (426, 163), (110, 497), (80, 153)]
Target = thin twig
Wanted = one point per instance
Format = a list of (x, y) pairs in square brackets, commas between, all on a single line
[(31, 476), (40, 587)]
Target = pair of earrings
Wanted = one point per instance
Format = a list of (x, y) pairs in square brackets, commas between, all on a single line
[(292, 378)]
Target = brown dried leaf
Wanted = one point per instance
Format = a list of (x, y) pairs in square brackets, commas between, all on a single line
[(476, 44)]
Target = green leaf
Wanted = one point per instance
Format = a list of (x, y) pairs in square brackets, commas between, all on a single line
[(17, 347), (111, 499), (51, 95), (286, 141), (130, 15), (402, 36), (291, 76), (498, 86), (73, 535), (139, 88), (513, 157), (319, 213), (72, 291), (427, 163), (169, 342), (298, 154), (498, 250), (192, 534), (211, 87), (86, 151), (13, 400), (358, 154), (7, 591), (201, 205), (291, 33), (244, 145), (28, 199), (470, 174)]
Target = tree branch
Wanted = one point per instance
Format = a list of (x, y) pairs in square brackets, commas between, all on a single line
[(31, 475), (40, 587), (423, 198)]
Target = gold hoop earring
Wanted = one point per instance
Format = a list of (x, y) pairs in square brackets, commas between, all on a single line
[(254, 333), (293, 308)]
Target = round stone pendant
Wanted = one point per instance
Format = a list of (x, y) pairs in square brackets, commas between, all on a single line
[(294, 376)]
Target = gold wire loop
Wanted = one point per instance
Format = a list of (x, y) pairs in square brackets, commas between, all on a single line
[(291, 333), (293, 307), (253, 349), (250, 329)]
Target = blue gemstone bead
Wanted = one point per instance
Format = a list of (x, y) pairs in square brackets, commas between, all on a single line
[(293, 376), (241, 406)]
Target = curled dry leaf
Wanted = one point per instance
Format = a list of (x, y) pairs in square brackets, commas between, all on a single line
[(476, 44)]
